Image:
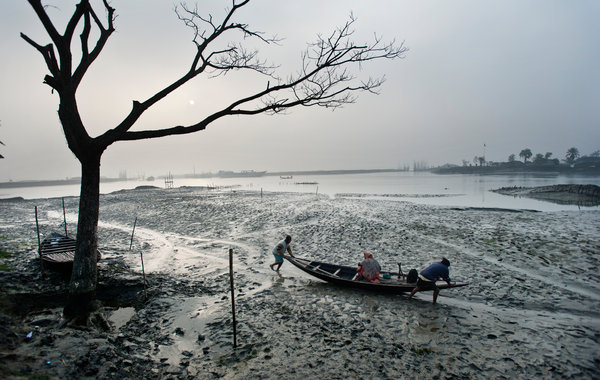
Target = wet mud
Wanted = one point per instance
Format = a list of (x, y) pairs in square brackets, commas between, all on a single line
[(531, 309)]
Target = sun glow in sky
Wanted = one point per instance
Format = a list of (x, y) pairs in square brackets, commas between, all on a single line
[(508, 73)]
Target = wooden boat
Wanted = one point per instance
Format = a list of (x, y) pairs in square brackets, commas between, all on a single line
[(58, 251), (344, 276)]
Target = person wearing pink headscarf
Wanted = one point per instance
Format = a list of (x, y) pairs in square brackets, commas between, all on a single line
[(369, 268)]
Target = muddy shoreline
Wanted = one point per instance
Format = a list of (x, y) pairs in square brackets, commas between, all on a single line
[(527, 313), (582, 195)]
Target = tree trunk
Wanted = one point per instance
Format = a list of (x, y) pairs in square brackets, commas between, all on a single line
[(85, 274)]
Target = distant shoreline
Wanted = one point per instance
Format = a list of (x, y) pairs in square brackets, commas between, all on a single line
[(55, 182), (507, 170), (468, 170), (75, 181)]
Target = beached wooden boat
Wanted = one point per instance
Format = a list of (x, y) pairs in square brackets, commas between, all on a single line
[(58, 251), (344, 276)]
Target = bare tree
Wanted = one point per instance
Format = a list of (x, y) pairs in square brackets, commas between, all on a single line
[(324, 80)]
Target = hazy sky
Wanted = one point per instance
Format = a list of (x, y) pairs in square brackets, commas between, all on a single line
[(511, 74)]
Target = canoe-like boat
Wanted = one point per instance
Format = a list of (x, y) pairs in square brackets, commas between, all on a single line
[(58, 251), (345, 276)]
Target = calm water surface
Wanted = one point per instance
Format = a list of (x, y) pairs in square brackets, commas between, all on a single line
[(426, 188)]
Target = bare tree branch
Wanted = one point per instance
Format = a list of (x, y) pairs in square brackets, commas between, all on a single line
[(87, 58), (47, 53), (220, 61), (61, 69), (40, 11), (324, 79)]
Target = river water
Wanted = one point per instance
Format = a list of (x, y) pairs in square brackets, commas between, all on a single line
[(424, 188)]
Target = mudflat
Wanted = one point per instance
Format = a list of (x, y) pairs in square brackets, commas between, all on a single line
[(530, 311), (567, 194)]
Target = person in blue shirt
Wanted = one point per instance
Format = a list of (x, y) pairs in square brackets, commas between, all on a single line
[(431, 274)]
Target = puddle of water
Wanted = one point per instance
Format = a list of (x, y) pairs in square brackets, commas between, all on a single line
[(121, 316)]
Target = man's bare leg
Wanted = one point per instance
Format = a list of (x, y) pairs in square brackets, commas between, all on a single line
[(416, 289)]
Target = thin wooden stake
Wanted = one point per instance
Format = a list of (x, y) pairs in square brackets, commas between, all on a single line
[(131, 243), (37, 226), (65, 217), (143, 274), (232, 297)]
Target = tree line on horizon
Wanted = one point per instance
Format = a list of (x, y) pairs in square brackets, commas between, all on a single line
[(571, 156)]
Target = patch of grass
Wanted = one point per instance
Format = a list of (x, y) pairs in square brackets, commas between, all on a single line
[(36, 376), (5, 268), (284, 309), (30, 375), (422, 351)]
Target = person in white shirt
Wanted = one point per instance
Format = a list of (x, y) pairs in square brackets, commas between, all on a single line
[(279, 252)]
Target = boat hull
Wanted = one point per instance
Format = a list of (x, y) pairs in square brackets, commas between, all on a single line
[(57, 252)]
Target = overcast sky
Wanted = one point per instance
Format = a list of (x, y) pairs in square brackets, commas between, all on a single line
[(510, 74)]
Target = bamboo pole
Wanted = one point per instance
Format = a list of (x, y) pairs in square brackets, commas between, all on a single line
[(232, 297), (65, 217), (141, 257), (143, 274), (131, 242), (37, 226)]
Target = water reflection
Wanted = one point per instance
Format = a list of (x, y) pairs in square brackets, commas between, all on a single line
[(425, 188)]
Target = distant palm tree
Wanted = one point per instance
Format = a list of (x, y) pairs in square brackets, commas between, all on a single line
[(572, 155), (525, 154)]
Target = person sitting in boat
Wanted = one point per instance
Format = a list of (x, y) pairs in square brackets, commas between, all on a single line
[(279, 252), (368, 269), (429, 275)]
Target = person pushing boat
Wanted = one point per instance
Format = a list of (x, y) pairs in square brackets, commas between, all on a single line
[(429, 275), (279, 252)]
